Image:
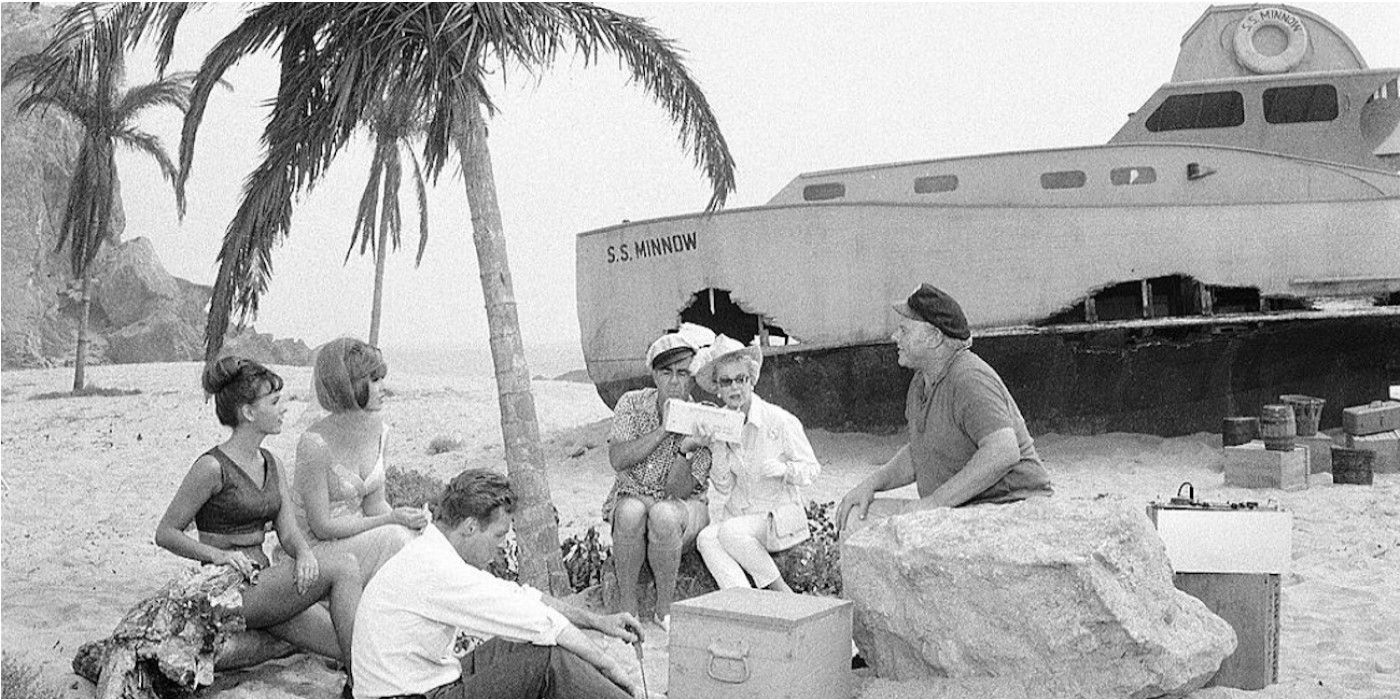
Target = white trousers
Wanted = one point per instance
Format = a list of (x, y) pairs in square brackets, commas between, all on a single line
[(733, 546)]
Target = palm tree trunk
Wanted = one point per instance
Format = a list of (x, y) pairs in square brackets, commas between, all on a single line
[(80, 357), (536, 523), (377, 308)]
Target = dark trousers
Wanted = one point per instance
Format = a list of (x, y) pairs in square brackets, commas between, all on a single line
[(501, 669)]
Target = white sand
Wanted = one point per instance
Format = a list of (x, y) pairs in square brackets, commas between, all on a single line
[(85, 481)]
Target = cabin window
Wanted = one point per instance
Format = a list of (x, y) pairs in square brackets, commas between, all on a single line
[(1063, 180), (1298, 104), (826, 190), (1134, 175), (1207, 110), (935, 183)]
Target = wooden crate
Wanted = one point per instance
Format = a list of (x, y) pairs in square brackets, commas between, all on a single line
[(1252, 466), (747, 643), (1374, 417), (1319, 452), (1250, 603)]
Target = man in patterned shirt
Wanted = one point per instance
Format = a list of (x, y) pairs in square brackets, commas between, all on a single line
[(657, 504)]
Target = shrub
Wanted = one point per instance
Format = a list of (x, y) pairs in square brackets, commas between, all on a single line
[(21, 679), (409, 487), (584, 558), (445, 443), (814, 566)]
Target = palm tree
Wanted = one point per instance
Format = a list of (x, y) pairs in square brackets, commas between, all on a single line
[(90, 91), (392, 125), (335, 60)]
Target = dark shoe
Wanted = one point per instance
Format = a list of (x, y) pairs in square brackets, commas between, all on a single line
[(858, 662)]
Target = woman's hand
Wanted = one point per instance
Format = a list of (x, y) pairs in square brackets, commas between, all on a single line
[(307, 571), (773, 468), (241, 562), (410, 517)]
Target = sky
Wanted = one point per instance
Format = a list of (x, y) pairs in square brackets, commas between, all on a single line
[(796, 87)]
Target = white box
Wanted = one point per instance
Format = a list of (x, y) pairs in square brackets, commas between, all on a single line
[(747, 643), (1200, 540), (685, 416)]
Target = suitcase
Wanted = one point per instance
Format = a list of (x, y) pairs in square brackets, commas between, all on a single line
[(1374, 417), (1386, 446), (748, 643)]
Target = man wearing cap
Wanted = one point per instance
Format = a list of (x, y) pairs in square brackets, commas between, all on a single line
[(657, 504), (968, 443)]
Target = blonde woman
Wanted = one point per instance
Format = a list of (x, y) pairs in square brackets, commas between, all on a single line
[(762, 476), (340, 469)]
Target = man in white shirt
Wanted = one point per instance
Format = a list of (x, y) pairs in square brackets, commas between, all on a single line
[(521, 643)]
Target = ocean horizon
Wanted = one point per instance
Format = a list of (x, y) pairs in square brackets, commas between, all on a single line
[(473, 361)]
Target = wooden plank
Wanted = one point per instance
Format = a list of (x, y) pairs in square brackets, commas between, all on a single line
[(1250, 603)]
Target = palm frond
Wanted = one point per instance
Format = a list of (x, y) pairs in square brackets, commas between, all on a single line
[(421, 188), (259, 30), (656, 64), (389, 219), (152, 146), (369, 205), (171, 91)]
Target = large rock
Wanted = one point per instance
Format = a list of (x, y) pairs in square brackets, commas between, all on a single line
[(162, 337), (1063, 597), (132, 284), (39, 149)]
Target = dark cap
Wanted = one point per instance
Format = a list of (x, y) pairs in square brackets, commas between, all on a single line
[(933, 305)]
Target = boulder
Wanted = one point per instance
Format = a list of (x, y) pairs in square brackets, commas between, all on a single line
[(266, 349), (132, 284), (163, 337), (1063, 597)]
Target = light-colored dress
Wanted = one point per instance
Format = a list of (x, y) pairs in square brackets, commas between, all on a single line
[(347, 491)]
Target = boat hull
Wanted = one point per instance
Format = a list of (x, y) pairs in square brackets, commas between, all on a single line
[(1162, 381)]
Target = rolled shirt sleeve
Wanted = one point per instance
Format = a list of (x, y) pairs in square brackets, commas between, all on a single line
[(492, 607), (802, 465)]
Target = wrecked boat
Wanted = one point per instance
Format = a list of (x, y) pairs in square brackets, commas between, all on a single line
[(1238, 238)]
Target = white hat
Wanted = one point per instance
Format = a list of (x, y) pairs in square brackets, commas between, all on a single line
[(724, 348), (664, 349)]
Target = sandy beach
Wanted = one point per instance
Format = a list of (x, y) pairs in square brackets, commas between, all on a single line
[(86, 479)]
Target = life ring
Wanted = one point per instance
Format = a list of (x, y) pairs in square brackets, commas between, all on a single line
[(1286, 21)]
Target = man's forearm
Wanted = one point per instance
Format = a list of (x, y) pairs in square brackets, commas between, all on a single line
[(625, 455), (896, 473), (577, 616)]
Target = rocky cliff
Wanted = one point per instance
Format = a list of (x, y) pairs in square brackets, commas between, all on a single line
[(140, 313)]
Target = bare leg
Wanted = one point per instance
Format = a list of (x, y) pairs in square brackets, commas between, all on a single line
[(275, 600), (311, 630), (665, 527), (629, 546)]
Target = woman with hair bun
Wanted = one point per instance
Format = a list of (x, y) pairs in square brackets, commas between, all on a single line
[(339, 483), (232, 494)]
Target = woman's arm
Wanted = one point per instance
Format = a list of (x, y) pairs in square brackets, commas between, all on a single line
[(201, 482), (289, 534), (802, 466), (312, 483)]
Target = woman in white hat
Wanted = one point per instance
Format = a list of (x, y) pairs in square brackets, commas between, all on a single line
[(762, 476)]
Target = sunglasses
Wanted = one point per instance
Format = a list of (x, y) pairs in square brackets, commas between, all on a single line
[(741, 380)]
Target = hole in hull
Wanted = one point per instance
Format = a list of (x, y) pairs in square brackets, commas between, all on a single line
[(715, 309)]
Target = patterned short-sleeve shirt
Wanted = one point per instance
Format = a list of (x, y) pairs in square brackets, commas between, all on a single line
[(635, 416)]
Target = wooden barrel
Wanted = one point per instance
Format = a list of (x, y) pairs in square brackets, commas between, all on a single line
[(1277, 427), (1352, 466), (1307, 411), (1238, 430)]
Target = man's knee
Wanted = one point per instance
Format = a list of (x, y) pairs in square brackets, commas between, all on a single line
[(629, 518), (666, 523)]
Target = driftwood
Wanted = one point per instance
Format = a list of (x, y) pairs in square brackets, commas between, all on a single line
[(171, 643)]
